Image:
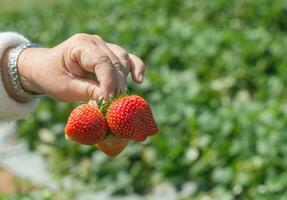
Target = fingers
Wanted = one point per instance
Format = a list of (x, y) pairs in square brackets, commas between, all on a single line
[(137, 68), (130, 62), (77, 89), (107, 77), (103, 46), (93, 59), (109, 62), (116, 62), (122, 55)]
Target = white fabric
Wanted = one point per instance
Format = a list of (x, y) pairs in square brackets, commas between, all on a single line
[(9, 108)]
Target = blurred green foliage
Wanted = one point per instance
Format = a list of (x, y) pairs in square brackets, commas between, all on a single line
[(216, 81)]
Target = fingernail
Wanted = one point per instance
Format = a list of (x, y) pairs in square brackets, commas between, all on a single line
[(140, 78), (93, 102)]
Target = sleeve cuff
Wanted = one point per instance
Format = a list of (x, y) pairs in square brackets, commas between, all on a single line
[(9, 108)]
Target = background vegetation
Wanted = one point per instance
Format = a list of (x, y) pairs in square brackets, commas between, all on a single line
[(216, 80)]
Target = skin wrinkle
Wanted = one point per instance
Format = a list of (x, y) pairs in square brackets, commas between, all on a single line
[(68, 66)]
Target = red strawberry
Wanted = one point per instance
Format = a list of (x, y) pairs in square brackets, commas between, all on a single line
[(112, 145), (131, 117), (86, 125)]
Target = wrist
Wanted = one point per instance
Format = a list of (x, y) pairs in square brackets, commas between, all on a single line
[(28, 62), (25, 68)]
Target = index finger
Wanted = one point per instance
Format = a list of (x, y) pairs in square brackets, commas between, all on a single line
[(93, 59), (107, 77)]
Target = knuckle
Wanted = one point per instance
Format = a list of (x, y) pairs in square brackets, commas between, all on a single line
[(97, 38), (123, 55), (123, 73), (102, 59), (125, 65), (121, 52), (80, 36)]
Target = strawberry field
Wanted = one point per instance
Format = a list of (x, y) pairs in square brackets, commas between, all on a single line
[(216, 81)]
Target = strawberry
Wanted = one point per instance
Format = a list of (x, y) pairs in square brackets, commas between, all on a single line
[(86, 125), (112, 145), (131, 117)]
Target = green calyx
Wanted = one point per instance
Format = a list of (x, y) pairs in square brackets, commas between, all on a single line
[(104, 106)]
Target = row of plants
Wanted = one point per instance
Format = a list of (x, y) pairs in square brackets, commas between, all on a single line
[(216, 80)]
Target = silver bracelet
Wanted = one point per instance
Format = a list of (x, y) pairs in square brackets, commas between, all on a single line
[(13, 70)]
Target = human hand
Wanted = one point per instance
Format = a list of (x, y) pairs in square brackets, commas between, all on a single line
[(82, 68)]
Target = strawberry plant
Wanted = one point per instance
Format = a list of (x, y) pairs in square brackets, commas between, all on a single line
[(216, 83)]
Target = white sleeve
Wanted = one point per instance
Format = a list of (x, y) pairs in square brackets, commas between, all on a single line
[(9, 108)]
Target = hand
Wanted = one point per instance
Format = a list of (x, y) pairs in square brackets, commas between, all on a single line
[(82, 68)]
